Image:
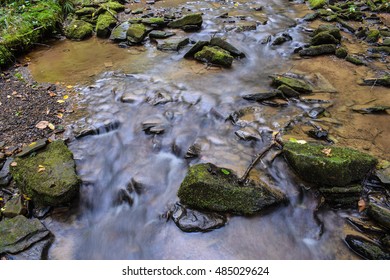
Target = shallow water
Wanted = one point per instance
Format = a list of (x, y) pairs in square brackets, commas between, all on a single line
[(200, 99)]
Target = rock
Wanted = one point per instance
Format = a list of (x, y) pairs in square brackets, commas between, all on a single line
[(193, 151), (14, 207), (370, 109), (131, 98), (344, 197), (316, 4), (354, 60), (329, 28), (380, 81), (38, 251), (244, 26), (316, 112), (219, 42), (373, 36), (33, 147), (246, 116), (328, 165), (173, 44), (381, 49), (366, 248), (137, 11), (196, 48), (281, 39), (105, 23), (384, 175), (318, 50), (158, 34), (159, 97), (119, 33), (49, 178), (5, 175), (19, 233), (214, 55), (189, 220), (324, 38), (310, 16), (248, 133), (261, 95), (127, 11), (190, 19), (154, 125), (100, 128), (341, 52), (136, 33), (155, 21), (113, 6), (85, 11), (365, 226), (379, 214), (209, 187), (78, 30), (288, 91), (296, 84)]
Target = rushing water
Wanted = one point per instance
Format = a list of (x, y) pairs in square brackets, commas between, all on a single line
[(199, 99)]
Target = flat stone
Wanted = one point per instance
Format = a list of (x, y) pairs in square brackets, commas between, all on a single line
[(296, 84), (14, 207), (318, 50), (19, 233), (38, 251), (196, 48), (100, 128), (365, 248), (245, 26), (370, 109), (342, 197), (219, 42), (384, 175), (5, 175), (261, 95), (173, 44), (155, 21), (189, 220), (33, 147), (159, 97), (131, 98), (379, 214), (190, 19), (159, 34), (154, 125), (119, 32), (248, 133)]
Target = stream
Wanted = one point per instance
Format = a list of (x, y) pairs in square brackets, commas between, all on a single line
[(190, 102)]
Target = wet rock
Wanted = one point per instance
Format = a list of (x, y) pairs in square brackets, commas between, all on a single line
[(330, 29), (85, 11), (119, 32), (105, 23), (344, 197), (86, 130), (245, 26), (49, 178), (318, 50), (299, 85), (310, 16), (193, 151), (324, 38), (366, 248), (19, 233), (246, 115), (381, 81), (328, 165), (113, 6), (367, 109), (372, 36), (281, 39), (319, 134), (189, 220), (154, 125), (316, 4), (14, 207), (261, 96), (5, 175), (248, 133), (384, 175), (341, 52), (155, 21), (288, 91), (124, 196), (38, 251), (158, 34), (381, 49), (379, 214), (33, 147), (131, 98), (78, 30), (174, 44), (316, 112), (136, 33), (214, 55), (354, 60), (127, 11), (219, 42), (137, 11), (209, 187), (365, 226), (196, 48), (191, 19), (159, 97)]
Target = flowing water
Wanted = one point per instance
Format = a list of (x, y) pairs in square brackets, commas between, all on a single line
[(196, 100)]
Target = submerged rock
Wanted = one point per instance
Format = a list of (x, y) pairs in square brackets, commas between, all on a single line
[(174, 44), (19, 233), (78, 30), (188, 20), (261, 95), (380, 81), (190, 220), (318, 50), (215, 55), (136, 33), (366, 248), (49, 178), (328, 165), (367, 109), (158, 34), (299, 85), (209, 187)]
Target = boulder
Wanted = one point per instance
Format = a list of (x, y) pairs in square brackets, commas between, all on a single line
[(298, 85), (318, 50), (324, 37), (158, 34), (119, 32), (19, 233), (196, 48), (365, 248), (214, 55), (49, 178), (341, 52), (136, 33), (78, 30), (105, 23), (379, 214), (328, 165), (85, 11), (329, 28), (173, 44), (219, 42), (190, 19), (211, 188)]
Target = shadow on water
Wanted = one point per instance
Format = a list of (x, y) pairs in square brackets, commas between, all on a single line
[(190, 103)]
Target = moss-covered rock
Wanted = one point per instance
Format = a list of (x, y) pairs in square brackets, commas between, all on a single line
[(209, 187), (318, 50), (381, 49), (104, 25), (119, 33), (324, 37), (330, 28), (366, 248), (191, 20), (373, 36), (78, 30), (113, 6), (214, 55), (316, 4), (379, 214), (341, 52), (85, 11), (49, 178), (136, 33), (5, 56), (328, 165), (223, 44), (19, 233), (288, 91), (346, 196), (354, 60), (157, 21), (196, 48), (174, 44), (296, 84)]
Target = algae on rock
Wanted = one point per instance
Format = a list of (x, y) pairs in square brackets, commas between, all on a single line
[(214, 55), (136, 33), (78, 30), (104, 25)]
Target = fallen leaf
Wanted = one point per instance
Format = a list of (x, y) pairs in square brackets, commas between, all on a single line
[(327, 152), (108, 64), (51, 126), (60, 101), (69, 87), (42, 124), (361, 205), (60, 115), (14, 93), (26, 197), (52, 94), (13, 164), (41, 168), (1, 199), (301, 142), (224, 171), (47, 111), (32, 144), (65, 97)]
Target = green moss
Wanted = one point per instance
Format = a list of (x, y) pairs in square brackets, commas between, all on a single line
[(114, 6), (136, 33), (214, 55), (209, 187), (340, 168), (379, 214), (354, 60), (154, 21), (5, 56), (318, 50), (104, 25), (324, 37), (85, 11), (296, 84), (341, 52), (330, 28), (316, 4), (56, 184), (381, 49), (373, 36), (191, 19), (78, 30)]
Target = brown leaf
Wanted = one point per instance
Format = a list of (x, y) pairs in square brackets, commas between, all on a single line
[(41, 168), (13, 164), (42, 124), (361, 205), (327, 152), (52, 94)]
